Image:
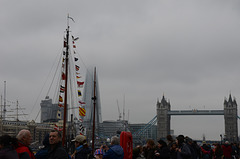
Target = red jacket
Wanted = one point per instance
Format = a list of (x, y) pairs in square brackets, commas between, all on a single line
[(24, 150), (227, 150)]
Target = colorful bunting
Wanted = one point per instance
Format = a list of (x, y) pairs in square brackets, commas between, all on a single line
[(60, 105), (81, 102), (79, 93), (63, 76), (82, 111), (80, 84), (62, 89), (57, 128), (60, 99), (77, 67)]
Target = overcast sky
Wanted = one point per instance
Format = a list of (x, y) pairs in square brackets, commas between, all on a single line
[(187, 50)]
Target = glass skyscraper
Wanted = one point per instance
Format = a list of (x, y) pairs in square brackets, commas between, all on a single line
[(88, 94)]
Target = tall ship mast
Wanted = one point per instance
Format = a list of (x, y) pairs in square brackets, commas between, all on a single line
[(71, 83)]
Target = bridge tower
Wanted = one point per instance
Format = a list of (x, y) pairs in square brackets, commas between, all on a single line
[(163, 119), (230, 117)]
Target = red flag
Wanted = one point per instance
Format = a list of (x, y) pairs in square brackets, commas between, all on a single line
[(63, 76), (64, 44), (81, 102), (80, 84), (57, 128), (60, 105)]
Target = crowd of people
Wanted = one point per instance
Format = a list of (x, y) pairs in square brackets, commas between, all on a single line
[(182, 147), (19, 148)]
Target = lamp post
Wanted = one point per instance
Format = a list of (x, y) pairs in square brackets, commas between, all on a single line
[(221, 138)]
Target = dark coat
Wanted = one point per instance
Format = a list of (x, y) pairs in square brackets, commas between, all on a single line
[(42, 153), (149, 153), (185, 152), (8, 153), (164, 153), (82, 152), (58, 152), (114, 152)]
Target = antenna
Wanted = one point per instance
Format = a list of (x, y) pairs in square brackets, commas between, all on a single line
[(119, 113), (123, 106)]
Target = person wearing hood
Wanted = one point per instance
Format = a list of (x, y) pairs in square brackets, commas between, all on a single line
[(183, 151), (227, 150), (82, 149), (115, 151)]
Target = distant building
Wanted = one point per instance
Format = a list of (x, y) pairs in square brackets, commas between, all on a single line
[(111, 128), (50, 112)]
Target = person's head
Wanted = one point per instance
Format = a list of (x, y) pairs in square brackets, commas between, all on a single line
[(55, 137), (115, 140), (150, 143), (98, 154), (188, 140), (174, 146), (169, 138), (79, 140), (180, 140), (25, 137), (162, 143), (136, 152), (6, 140)]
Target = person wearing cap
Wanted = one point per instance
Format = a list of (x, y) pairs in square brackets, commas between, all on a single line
[(82, 149), (98, 154), (56, 151), (115, 151)]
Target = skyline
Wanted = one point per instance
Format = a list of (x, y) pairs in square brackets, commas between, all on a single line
[(186, 50)]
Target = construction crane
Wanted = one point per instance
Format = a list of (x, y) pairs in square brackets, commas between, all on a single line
[(119, 113)]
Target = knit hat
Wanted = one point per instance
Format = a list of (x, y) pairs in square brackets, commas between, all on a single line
[(80, 138), (98, 152)]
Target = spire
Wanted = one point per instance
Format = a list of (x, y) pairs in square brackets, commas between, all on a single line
[(163, 101), (230, 98)]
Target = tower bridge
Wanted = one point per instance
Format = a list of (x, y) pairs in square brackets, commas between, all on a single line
[(229, 112)]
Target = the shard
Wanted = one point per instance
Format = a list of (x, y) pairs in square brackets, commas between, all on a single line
[(88, 94)]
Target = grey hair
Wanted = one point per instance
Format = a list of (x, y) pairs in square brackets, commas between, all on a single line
[(115, 140), (22, 133)]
